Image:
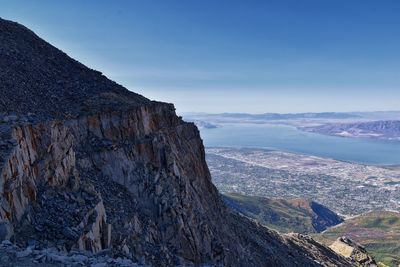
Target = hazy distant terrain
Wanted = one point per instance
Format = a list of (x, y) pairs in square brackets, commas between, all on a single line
[(267, 117), (203, 124), (387, 130), (374, 125)]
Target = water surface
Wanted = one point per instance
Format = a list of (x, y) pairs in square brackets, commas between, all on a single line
[(287, 138)]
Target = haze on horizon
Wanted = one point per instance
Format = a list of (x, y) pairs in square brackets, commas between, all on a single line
[(233, 56)]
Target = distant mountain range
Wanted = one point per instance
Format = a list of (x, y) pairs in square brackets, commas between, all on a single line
[(378, 231), (246, 117), (379, 115), (377, 125), (243, 117), (388, 130)]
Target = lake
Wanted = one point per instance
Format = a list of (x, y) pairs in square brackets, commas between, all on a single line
[(290, 139)]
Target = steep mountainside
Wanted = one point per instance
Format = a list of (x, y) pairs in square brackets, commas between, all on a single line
[(38, 79), (378, 231), (86, 164), (293, 215)]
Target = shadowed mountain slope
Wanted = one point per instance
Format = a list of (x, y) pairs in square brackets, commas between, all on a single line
[(38, 78)]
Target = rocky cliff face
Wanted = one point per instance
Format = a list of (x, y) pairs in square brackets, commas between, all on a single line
[(99, 168)]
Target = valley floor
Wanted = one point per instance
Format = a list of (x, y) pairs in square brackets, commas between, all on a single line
[(347, 188), (367, 196)]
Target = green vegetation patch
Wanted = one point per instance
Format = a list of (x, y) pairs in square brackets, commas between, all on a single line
[(378, 231), (282, 215)]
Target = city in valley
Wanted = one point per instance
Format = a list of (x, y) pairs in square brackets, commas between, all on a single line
[(347, 188)]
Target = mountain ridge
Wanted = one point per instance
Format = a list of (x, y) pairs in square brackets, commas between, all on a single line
[(38, 77), (285, 215), (384, 129), (116, 173)]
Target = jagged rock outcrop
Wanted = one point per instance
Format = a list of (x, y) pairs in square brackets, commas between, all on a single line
[(353, 251), (11, 256), (86, 164)]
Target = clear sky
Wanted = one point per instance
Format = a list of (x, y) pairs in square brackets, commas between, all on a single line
[(233, 56)]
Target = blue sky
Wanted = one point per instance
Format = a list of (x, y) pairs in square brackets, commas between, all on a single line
[(233, 56)]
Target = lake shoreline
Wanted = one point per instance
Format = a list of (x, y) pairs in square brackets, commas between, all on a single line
[(288, 138)]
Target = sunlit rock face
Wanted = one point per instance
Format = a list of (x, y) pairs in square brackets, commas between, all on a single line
[(353, 251), (85, 164)]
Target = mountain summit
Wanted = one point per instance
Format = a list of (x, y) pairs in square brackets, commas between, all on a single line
[(87, 165), (39, 78)]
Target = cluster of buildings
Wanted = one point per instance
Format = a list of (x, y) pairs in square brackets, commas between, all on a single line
[(347, 188)]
